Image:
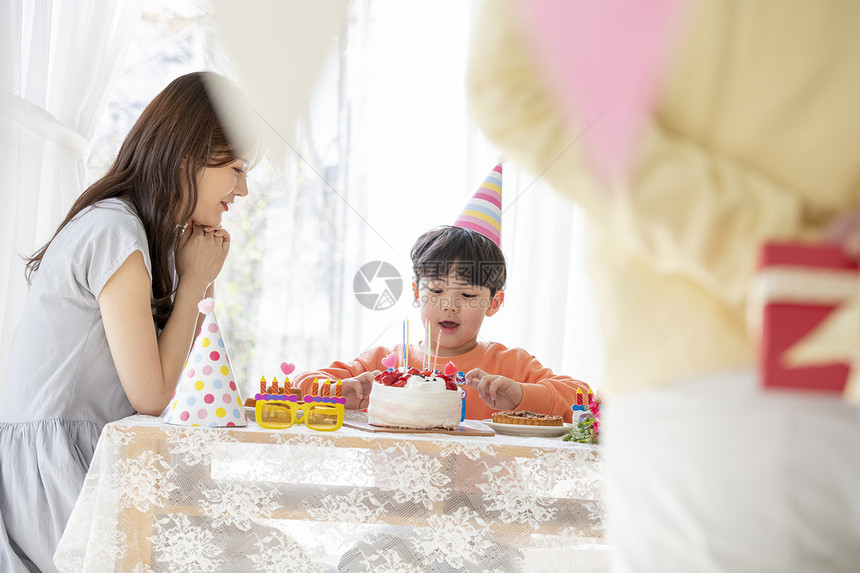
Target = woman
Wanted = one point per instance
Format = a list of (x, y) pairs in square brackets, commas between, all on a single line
[(112, 310)]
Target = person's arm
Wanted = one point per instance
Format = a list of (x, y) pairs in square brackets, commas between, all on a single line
[(210, 290), (547, 392), (682, 200), (335, 371), (356, 376), (149, 366), (498, 392), (530, 387)]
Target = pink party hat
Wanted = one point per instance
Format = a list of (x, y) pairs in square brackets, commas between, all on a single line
[(483, 212), (207, 394)]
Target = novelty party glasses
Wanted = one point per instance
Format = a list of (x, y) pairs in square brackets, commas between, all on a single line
[(277, 412)]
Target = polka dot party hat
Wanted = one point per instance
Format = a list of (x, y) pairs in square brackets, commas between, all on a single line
[(207, 394)]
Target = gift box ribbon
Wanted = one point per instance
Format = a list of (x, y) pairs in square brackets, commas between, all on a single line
[(836, 338)]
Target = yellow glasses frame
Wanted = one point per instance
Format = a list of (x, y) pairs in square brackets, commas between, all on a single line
[(321, 414)]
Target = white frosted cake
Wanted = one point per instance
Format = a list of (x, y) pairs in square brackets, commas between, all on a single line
[(413, 399)]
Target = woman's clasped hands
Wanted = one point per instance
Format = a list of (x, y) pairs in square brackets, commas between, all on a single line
[(200, 253)]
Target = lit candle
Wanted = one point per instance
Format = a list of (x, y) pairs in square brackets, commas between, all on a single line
[(579, 396), (338, 391), (262, 384)]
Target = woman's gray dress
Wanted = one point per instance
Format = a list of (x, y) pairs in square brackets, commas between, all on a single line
[(61, 385)]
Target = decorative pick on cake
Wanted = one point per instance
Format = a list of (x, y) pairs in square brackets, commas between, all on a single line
[(450, 369), (483, 212), (390, 361), (207, 394)]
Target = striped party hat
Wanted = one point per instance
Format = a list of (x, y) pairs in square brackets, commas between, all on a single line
[(483, 212)]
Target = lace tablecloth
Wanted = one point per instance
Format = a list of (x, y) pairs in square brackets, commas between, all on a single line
[(174, 498)]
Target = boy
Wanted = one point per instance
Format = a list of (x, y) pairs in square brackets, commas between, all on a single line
[(459, 277)]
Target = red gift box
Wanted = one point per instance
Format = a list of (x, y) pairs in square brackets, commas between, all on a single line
[(799, 296)]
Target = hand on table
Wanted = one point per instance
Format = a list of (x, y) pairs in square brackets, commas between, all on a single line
[(356, 390), (498, 392)]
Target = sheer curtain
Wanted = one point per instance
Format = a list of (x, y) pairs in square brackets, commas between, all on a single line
[(416, 156), (58, 63), (386, 150)]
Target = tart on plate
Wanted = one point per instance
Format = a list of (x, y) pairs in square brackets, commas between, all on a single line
[(527, 418)]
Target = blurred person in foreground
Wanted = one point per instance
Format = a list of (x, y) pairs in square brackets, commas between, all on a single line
[(754, 137)]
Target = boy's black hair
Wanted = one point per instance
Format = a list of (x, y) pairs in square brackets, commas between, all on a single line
[(472, 257)]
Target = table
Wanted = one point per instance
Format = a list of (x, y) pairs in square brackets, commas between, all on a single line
[(173, 498)]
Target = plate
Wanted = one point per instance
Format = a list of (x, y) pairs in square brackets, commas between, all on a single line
[(523, 430), (359, 421)]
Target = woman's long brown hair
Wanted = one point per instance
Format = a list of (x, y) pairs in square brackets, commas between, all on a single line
[(179, 124)]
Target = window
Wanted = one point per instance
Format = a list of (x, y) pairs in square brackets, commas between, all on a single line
[(385, 151)]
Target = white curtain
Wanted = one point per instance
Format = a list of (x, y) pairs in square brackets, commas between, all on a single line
[(390, 130), (386, 151), (415, 158), (58, 63)]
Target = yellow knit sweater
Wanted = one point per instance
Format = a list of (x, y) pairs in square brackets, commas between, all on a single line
[(756, 136)]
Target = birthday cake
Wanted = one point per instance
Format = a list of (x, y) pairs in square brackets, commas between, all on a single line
[(409, 398)]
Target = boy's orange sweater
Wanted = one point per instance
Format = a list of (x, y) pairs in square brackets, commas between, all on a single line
[(543, 391)]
